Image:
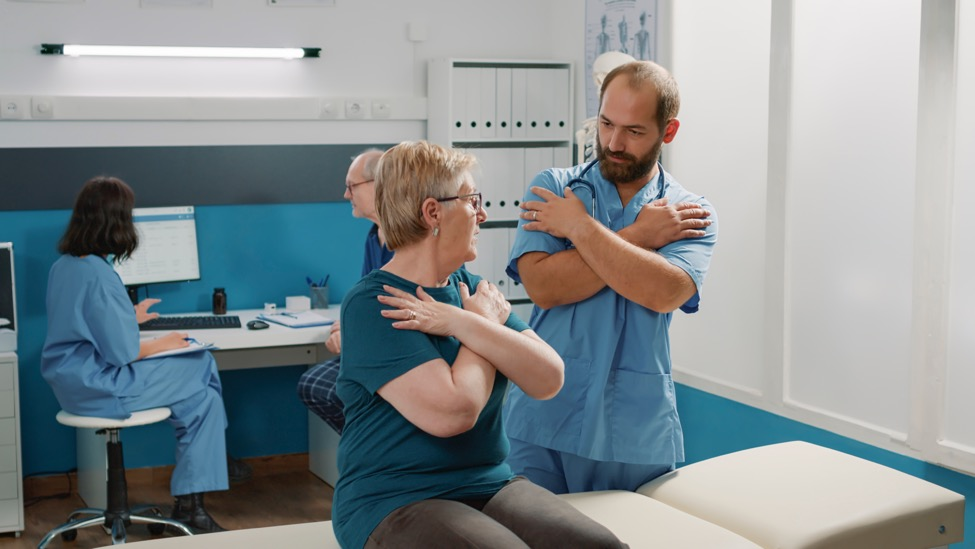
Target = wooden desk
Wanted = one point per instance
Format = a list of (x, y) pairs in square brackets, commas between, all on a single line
[(237, 349)]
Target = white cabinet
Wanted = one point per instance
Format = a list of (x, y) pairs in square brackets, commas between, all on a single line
[(516, 117), (11, 483), (323, 450)]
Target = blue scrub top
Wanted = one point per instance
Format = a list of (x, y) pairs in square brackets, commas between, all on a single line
[(618, 401), (92, 338), (376, 253)]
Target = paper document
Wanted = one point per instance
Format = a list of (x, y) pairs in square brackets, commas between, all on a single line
[(304, 319), (194, 347)]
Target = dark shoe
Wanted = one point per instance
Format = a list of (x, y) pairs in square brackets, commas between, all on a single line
[(237, 470), (190, 511)]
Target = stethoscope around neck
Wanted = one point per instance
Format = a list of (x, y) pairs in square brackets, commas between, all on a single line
[(588, 187)]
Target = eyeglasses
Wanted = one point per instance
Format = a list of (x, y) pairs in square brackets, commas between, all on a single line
[(349, 186), (474, 199)]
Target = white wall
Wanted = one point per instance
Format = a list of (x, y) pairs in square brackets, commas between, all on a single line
[(365, 53), (826, 134), (959, 404), (721, 152), (850, 209)]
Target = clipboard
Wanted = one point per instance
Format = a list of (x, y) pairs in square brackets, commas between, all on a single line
[(304, 319), (193, 347)]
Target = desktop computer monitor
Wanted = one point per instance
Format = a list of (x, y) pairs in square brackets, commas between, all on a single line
[(167, 250), (8, 299)]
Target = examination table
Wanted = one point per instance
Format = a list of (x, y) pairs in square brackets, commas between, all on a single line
[(792, 495)]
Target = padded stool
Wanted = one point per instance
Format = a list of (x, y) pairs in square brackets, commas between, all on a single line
[(117, 515)]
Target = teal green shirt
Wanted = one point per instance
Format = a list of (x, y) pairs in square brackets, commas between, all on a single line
[(386, 462)]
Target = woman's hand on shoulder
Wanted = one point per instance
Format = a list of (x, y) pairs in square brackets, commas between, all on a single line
[(142, 313), (488, 302), (420, 312)]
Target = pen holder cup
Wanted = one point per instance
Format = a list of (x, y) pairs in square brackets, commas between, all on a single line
[(319, 297)]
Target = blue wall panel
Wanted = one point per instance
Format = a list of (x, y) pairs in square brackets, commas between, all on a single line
[(258, 253)]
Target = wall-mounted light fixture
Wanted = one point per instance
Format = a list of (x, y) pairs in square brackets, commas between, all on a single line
[(75, 50)]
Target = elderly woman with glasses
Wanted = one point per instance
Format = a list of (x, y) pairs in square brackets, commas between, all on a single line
[(427, 352)]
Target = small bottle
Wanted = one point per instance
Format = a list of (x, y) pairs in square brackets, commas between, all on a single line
[(219, 301)]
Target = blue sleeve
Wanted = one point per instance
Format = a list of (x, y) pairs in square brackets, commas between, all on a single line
[(535, 241), (693, 255), (376, 254)]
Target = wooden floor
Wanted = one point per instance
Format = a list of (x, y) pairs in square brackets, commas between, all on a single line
[(281, 491)]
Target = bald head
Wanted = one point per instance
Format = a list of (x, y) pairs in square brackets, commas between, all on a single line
[(360, 185), (659, 86), (369, 159)]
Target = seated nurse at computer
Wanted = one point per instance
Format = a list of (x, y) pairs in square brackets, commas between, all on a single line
[(96, 364)]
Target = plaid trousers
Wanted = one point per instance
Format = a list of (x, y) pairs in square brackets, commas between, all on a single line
[(316, 388)]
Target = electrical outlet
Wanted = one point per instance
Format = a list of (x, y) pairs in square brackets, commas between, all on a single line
[(381, 109), (305, 3), (13, 108), (416, 31), (329, 109), (355, 108), (41, 107)]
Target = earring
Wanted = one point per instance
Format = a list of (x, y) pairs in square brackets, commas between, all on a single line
[(436, 231)]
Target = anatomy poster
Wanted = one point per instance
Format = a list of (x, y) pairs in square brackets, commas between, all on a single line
[(625, 26)]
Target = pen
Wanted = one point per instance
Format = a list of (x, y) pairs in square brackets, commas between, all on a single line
[(191, 340), (289, 315), (320, 284)]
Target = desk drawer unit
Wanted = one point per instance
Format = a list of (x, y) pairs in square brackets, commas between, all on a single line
[(11, 477)]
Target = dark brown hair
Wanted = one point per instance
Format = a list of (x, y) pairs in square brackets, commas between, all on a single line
[(101, 222)]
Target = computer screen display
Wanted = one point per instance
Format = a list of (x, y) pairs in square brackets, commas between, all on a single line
[(167, 250), (8, 294)]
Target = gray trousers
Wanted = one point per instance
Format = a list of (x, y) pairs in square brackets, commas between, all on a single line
[(520, 515)]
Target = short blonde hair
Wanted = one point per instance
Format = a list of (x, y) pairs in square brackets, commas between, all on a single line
[(408, 174)]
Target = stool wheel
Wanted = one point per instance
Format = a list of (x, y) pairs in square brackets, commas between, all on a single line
[(156, 529), (69, 535)]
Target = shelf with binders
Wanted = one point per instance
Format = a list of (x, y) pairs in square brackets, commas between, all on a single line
[(500, 100), (493, 244), (515, 116)]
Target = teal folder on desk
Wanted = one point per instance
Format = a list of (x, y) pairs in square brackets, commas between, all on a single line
[(304, 319)]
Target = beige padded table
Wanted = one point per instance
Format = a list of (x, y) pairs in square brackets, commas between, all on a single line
[(797, 495)]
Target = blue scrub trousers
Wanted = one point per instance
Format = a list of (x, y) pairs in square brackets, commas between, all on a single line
[(564, 473), (190, 386)]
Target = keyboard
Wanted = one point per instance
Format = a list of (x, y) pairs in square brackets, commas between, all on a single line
[(184, 323)]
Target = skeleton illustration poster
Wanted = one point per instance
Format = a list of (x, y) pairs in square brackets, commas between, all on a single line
[(625, 26)]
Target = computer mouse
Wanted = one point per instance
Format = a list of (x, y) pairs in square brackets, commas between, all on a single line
[(257, 325)]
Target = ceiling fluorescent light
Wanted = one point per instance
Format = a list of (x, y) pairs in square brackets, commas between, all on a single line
[(75, 50)]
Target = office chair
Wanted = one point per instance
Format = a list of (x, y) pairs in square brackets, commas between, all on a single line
[(117, 515)]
